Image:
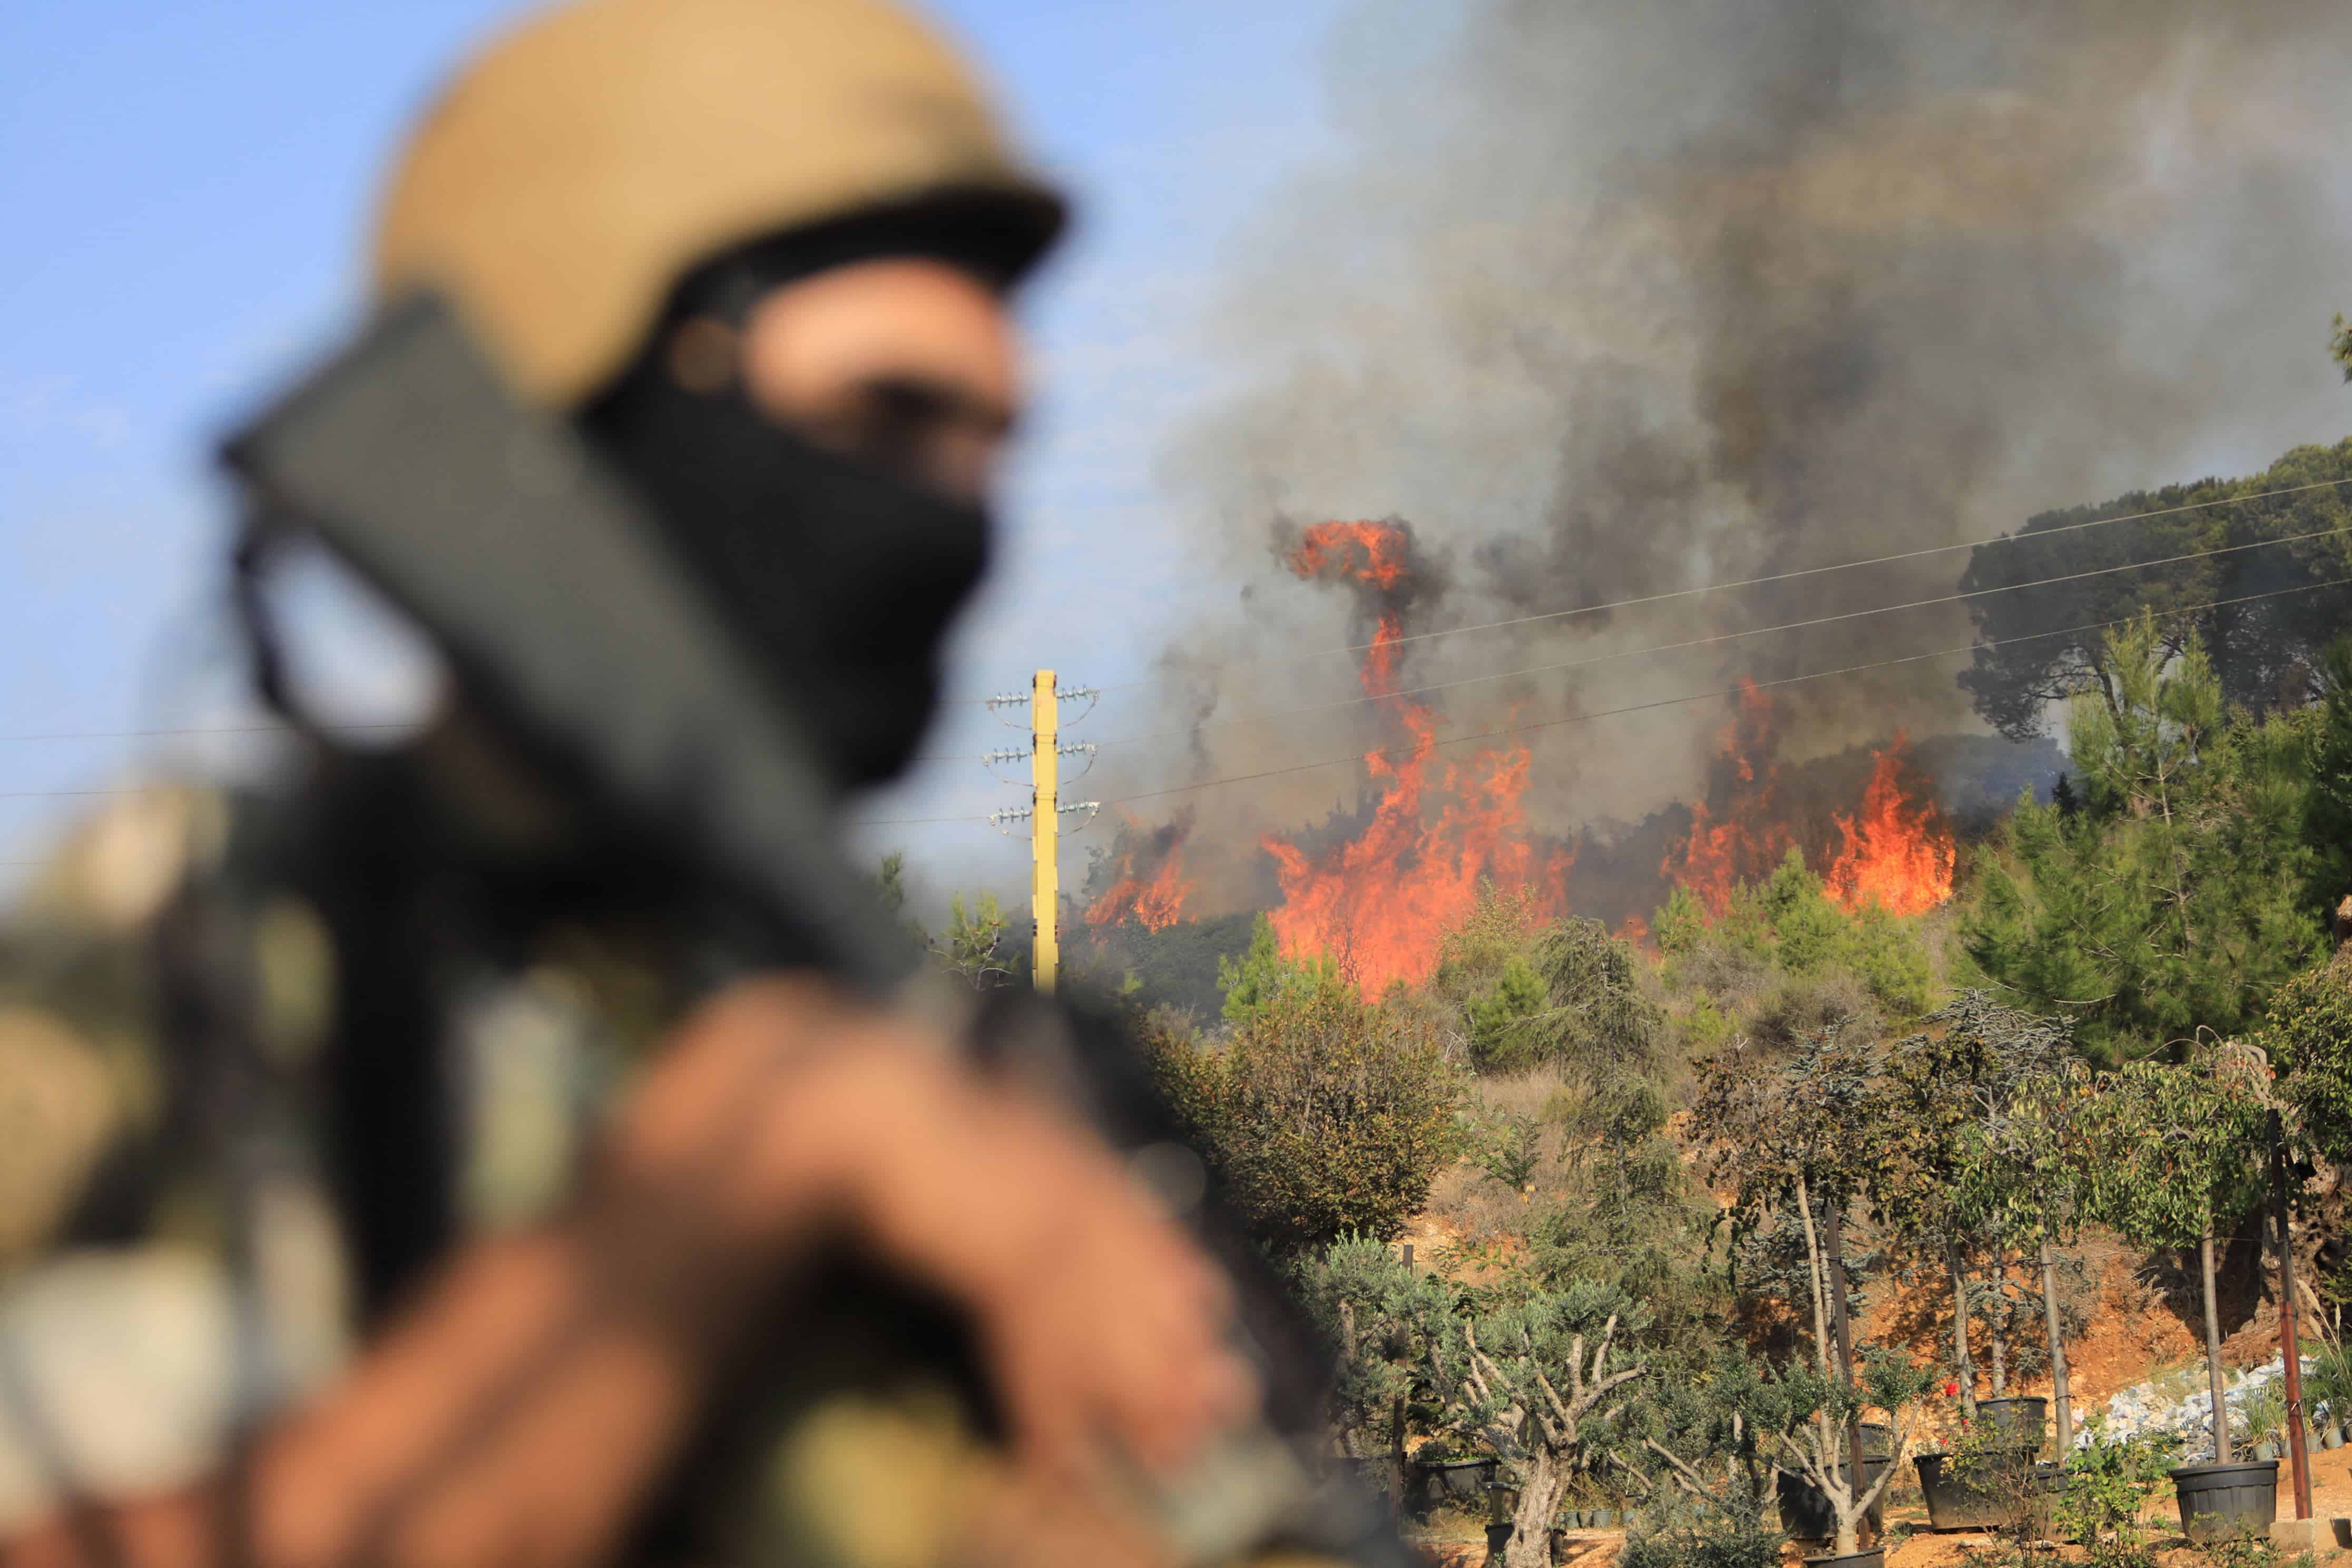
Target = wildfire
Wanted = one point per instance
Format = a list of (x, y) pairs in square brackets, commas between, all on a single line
[(1751, 835), (1381, 903), (1153, 898), (1899, 852), (1896, 852)]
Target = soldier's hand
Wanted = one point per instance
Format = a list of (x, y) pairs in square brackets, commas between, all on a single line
[(1103, 1325)]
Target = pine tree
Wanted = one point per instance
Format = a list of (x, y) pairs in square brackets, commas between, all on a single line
[(2177, 901)]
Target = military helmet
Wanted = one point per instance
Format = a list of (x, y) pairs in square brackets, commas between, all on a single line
[(580, 168)]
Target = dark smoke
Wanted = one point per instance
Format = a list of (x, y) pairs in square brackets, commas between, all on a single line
[(1615, 299)]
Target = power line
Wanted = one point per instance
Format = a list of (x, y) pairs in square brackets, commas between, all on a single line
[(1721, 638), (1919, 554), (1704, 696)]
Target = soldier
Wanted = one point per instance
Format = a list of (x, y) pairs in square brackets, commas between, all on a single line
[(383, 1180)]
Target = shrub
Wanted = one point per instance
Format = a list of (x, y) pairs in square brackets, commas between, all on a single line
[(1322, 1114), (2108, 1482), (1731, 1529)]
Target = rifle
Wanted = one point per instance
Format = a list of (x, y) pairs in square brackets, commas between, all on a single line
[(566, 621)]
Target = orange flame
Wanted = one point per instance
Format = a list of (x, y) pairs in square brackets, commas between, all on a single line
[(1750, 837), (1154, 901), (1899, 853), (1382, 903)]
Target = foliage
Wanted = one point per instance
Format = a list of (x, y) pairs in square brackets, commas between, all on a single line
[(1510, 1151), (890, 893), (1322, 1114), (2307, 1034), (1501, 1038), (2108, 1483), (2328, 804), (1375, 1315), (2262, 1415), (2174, 898), (2339, 346), (1264, 972), (1961, 1130), (1801, 1416), (1531, 1376), (974, 944), (2261, 647), (1789, 923), (1769, 1130), (2172, 1150), (1175, 966), (1729, 1528)]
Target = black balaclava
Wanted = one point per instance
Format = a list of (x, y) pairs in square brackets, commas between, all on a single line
[(840, 579)]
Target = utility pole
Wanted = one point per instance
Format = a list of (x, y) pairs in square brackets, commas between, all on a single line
[(1044, 826), (1045, 809)]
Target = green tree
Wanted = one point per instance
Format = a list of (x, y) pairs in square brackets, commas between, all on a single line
[(1782, 1137), (2176, 898), (2174, 1151), (2328, 804), (1378, 1317), (1321, 1114), (2307, 1035), (2339, 346), (1801, 1418), (2261, 647), (1266, 973), (1500, 1037), (973, 947), (1533, 1378)]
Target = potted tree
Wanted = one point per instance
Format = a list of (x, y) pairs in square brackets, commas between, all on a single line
[(1534, 1378), (1970, 1122), (2175, 1150), (1799, 1420)]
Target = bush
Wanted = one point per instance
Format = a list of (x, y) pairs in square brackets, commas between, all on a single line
[(1728, 1531), (2108, 1482), (1322, 1114)]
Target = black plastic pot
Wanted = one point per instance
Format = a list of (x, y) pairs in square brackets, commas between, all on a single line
[(2018, 1418), (1806, 1514), (1990, 1499), (2220, 1502), (1462, 1480), (1498, 1536)]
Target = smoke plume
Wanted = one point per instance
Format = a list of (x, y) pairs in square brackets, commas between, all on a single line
[(1615, 300)]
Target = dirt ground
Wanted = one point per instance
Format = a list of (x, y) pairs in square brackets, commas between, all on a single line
[(1914, 1545)]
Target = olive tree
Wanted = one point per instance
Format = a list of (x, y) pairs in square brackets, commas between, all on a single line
[(1533, 1378), (1798, 1415)]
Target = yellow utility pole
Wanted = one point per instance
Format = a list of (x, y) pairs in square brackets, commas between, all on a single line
[(1045, 825)]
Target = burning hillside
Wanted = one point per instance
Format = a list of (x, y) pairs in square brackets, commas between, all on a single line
[(1655, 319), (1381, 895)]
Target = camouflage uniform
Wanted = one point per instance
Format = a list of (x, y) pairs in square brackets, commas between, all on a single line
[(177, 1263)]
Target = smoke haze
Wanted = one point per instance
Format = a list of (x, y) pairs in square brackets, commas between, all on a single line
[(1610, 300)]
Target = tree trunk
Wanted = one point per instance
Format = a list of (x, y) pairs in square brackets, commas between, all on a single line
[(1396, 1457), (1820, 1306), (2213, 1342), (2058, 1394), (1844, 1328), (1541, 1482), (1967, 1372), (2000, 1321), (1813, 1276)]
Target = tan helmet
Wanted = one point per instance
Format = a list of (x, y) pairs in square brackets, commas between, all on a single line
[(579, 168)]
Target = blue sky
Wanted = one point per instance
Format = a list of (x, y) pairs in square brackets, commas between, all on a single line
[(185, 186)]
